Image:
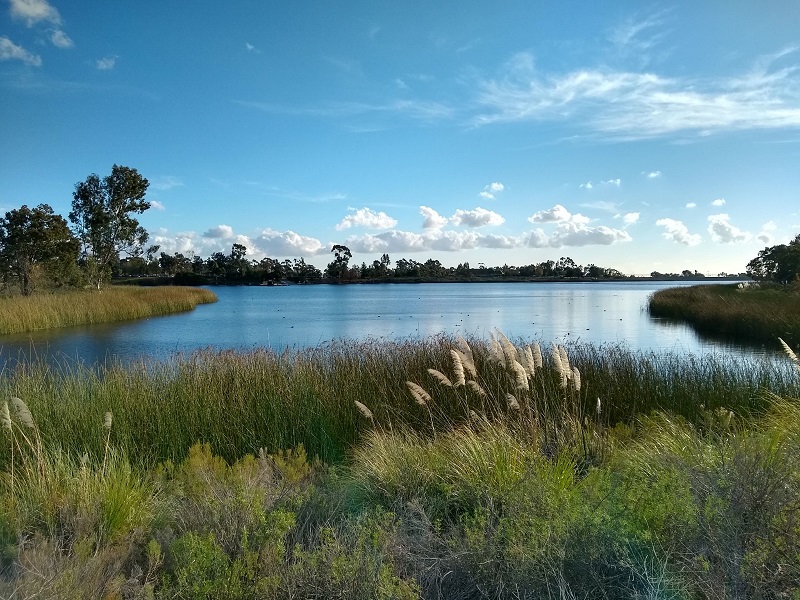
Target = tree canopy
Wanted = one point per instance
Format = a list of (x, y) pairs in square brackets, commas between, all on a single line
[(33, 240), (101, 218), (780, 263)]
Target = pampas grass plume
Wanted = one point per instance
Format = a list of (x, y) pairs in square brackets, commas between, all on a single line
[(521, 376), (441, 377), (790, 353), (419, 394), (475, 387), (458, 367), (23, 412), (576, 379), (513, 404), (537, 355), (107, 420), (364, 410)]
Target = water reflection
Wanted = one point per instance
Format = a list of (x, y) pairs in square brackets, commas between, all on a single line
[(303, 316)]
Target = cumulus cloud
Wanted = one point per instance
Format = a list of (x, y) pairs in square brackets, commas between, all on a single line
[(586, 186), (10, 51), (765, 235), (677, 232), (579, 234), (365, 217), (556, 214), (723, 232), (630, 218), (220, 231), (106, 64), (718, 202), (477, 217), (490, 190), (157, 205), (653, 174), (287, 243), (432, 219), (61, 39), (691, 204), (33, 11)]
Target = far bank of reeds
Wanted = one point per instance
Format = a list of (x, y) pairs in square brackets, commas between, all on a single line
[(19, 314), (744, 311)]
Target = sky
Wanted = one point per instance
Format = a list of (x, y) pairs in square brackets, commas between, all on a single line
[(632, 135)]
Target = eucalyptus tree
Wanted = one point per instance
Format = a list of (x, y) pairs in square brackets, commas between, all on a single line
[(36, 241), (101, 218)]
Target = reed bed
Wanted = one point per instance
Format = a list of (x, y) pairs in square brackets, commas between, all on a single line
[(19, 314), (242, 401), (464, 470), (750, 312)]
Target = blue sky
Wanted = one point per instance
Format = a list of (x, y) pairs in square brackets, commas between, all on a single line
[(634, 135)]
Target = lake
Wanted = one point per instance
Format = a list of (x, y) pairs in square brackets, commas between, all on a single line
[(299, 316)]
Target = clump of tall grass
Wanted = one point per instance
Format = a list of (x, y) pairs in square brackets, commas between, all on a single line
[(752, 313), (84, 307)]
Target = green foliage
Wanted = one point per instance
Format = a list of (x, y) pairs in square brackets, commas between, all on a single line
[(779, 264), (35, 242), (101, 215)]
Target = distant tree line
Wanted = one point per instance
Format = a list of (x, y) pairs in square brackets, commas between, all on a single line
[(235, 268)]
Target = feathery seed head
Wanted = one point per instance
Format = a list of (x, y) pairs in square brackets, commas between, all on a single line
[(496, 350), (565, 360), (467, 362), (458, 367), (419, 394), (464, 346), (790, 353), (537, 355), (107, 420), (364, 410), (509, 351), (576, 379), (5, 417), (473, 385), (599, 407), (23, 412), (557, 359), (513, 404), (441, 377), (530, 362), (520, 375)]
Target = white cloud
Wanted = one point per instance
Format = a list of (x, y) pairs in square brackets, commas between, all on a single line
[(33, 11), (157, 205), (61, 39), (691, 204), (579, 234), (365, 217), (220, 231), (490, 190), (586, 186), (630, 218), (10, 51), (251, 48), (107, 63), (287, 244), (639, 105), (677, 232), (718, 202), (617, 182), (477, 217), (723, 232), (557, 214), (653, 174), (433, 220), (770, 226)]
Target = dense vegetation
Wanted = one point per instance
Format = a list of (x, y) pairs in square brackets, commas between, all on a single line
[(756, 312), (446, 470), (778, 264)]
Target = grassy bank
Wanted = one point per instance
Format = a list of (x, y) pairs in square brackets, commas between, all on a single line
[(19, 314), (749, 312), (450, 470)]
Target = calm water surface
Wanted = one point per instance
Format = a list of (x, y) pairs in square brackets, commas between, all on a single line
[(309, 315)]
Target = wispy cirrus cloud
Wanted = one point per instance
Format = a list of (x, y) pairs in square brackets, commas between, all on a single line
[(639, 105), (420, 110), (106, 64)]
